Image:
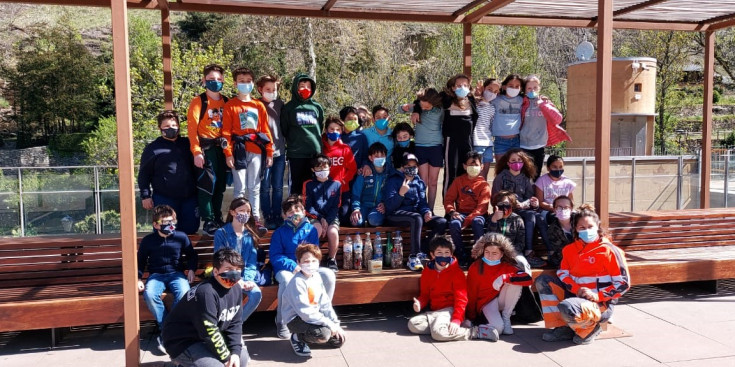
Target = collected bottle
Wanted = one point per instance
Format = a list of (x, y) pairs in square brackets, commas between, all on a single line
[(347, 254), (387, 252), (357, 252), (367, 250), (378, 252), (397, 254)]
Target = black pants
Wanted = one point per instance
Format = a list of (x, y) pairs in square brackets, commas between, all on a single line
[(415, 222), (538, 159), (312, 334), (455, 155), (300, 172)]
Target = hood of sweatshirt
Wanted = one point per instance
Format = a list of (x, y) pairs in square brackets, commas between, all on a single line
[(295, 86)]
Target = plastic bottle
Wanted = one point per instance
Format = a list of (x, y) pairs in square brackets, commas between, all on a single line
[(367, 250), (387, 252), (347, 254), (378, 252), (397, 254), (357, 252)]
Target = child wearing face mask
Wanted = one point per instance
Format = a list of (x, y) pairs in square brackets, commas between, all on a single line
[(496, 264), (343, 165), (507, 119), (444, 295), (249, 149), (296, 230), (353, 136), (405, 205), (505, 221), (402, 136), (322, 202), (482, 139), (271, 188), (367, 191), (592, 277), (466, 204), (548, 187), (380, 132), (307, 306), (238, 233), (560, 228), (539, 122)]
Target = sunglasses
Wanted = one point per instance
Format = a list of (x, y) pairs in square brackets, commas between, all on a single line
[(503, 207)]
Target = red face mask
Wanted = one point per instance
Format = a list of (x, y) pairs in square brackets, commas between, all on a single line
[(305, 93)]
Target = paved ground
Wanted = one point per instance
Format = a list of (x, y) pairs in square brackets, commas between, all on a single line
[(671, 326)]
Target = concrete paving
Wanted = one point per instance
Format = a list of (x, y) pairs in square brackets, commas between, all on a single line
[(678, 326)]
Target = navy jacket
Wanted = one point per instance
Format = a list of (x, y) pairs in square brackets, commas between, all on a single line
[(358, 143), (322, 199), (164, 254), (413, 201), (168, 166)]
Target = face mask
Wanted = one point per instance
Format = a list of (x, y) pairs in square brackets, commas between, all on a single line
[(563, 214), (410, 171), (305, 93), (490, 262), (333, 136), (244, 88), (322, 175), (351, 125), (473, 171), (381, 124), (230, 278), (170, 133), (379, 162), (242, 217), (442, 260), (213, 85), (309, 268), (270, 96), (505, 208), (488, 95), (556, 173), (532, 94), (512, 92), (167, 229), (462, 92), (588, 235), (516, 166), (404, 144), (296, 218)]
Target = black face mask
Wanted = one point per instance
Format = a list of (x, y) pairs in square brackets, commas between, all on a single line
[(556, 173), (230, 277), (170, 133)]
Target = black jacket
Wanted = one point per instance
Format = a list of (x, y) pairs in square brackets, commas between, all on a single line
[(168, 166)]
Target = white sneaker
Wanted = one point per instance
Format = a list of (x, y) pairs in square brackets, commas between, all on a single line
[(507, 329), (414, 264), (486, 332)]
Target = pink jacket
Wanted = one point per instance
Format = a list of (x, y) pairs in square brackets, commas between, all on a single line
[(553, 117)]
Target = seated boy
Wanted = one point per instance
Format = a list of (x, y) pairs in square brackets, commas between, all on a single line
[(466, 204), (205, 328), (322, 201), (294, 231), (444, 290), (367, 191), (162, 253), (307, 307)]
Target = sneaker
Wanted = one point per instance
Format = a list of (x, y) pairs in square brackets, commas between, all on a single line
[(220, 223), (282, 331), (414, 263), (486, 332), (332, 265), (300, 348), (210, 227), (261, 231), (590, 338), (159, 345), (507, 328), (423, 258), (535, 262), (558, 334), (270, 224)]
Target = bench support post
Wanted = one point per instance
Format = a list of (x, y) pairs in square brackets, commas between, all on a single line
[(709, 286)]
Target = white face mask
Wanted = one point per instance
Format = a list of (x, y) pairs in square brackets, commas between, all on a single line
[(563, 214), (270, 96), (309, 268), (512, 92), (488, 95), (322, 175)]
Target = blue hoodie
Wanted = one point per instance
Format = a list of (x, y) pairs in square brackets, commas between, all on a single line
[(358, 143), (413, 201), (367, 191), (226, 237), (285, 240), (322, 199)]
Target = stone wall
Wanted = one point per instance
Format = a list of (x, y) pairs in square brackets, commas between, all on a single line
[(38, 157)]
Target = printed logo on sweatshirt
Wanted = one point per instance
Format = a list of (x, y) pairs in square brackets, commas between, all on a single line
[(215, 118), (218, 341), (468, 191), (249, 118), (229, 314), (304, 118), (337, 161)]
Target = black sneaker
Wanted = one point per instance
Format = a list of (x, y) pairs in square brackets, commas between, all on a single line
[(300, 348), (332, 265), (210, 227), (558, 334), (219, 222)]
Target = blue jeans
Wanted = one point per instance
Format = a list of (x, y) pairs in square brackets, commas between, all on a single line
[(503, 145), (373, 216), (254, 297), (187, 211), (156, 284), (270, 202), (455, 230), (486, 152)]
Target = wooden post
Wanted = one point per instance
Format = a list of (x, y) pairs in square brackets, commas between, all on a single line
[(705, 170), (123, 113), (168, 89), (604, 97), (467, 49)]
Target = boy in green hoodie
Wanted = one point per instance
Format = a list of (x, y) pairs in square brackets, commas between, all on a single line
[(302, 122)]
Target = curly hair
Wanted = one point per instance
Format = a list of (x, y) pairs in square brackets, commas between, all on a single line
[(494, 240), (529, 168), (305, 248)]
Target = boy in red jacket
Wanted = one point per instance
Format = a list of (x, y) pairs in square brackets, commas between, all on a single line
[(444, 290)]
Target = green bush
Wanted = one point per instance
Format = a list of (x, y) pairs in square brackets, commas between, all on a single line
[(110, 223), (716, 96), (729, 139), (67, 142)]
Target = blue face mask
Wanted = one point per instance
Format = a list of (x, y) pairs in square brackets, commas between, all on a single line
[(490, 262), (379, 162), (556, 173), (532, 94), (213, 85), (381, 124), (462, 92), (588, 235), (244, 88), (442, 260), (404, 144), (333, 136)]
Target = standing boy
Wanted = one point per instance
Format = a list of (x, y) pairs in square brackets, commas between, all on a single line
[(271, 189)]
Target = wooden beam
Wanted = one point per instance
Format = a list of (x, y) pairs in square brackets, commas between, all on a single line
[(467, 49), (328, 5), (123, 113), (168, 88), (709, 72), (635, 7), (589, 23), (722, 24), (719, 19), (485, 10), (459, 14), (603, 110)]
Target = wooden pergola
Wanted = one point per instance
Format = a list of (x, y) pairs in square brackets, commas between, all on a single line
[(677, 15)]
